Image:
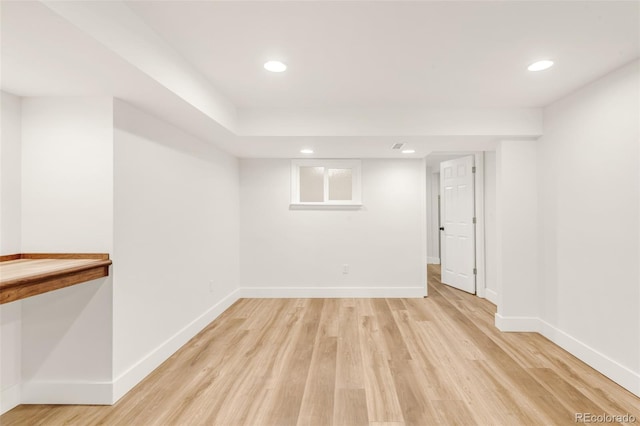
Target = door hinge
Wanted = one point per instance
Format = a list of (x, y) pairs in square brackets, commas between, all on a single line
[(475, 271), (473, 169), (474, 220)]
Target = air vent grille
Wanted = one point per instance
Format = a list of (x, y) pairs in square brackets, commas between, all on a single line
[(397, 146)]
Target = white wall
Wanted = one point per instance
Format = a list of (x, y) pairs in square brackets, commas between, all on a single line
[(433, 191), (10, 137), (300, 253), (163, 204), (490, 231), (295, 122), (517, 235), (67, 176), (176, 254), (10, 355), (67, 196), (589, 224), (10, 227)]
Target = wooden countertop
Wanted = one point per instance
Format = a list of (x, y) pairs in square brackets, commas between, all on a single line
[(28, 274)]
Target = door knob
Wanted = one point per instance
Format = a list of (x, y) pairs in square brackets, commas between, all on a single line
[(442, 228)]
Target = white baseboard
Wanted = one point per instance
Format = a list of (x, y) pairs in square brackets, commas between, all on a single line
[(135, 374), (521, 324), (9, 398), (491, 296), (620, 374), (77, 393), (615, 371), (433, 260), (332, 292)]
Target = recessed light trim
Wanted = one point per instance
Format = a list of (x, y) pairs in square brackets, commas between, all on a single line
[(306, 151), (540, 65), (275, 66), (408, 151)]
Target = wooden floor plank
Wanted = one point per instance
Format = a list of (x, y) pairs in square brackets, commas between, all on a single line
[(351, 362), (396, 346), (416, 408), (382, 399), (289, 390), (318, 399), (350, 408), (453, 413)]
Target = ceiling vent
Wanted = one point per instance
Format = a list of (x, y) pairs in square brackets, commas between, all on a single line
[(397, 146)]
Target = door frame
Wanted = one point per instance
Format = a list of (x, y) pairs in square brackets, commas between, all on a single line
[(479, 212), (424, 231)]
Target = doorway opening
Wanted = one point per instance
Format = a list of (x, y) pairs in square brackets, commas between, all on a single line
[(456, 218)]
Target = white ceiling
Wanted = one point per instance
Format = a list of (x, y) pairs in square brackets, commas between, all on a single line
[(397, 54), (362, 75)]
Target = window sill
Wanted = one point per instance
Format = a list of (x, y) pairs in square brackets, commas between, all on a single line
[(324, 206)]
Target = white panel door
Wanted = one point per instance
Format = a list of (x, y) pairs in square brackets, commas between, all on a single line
[(456, 221)]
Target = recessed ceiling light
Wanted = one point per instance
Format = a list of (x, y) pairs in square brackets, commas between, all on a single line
[(408, 151), (306, 151), (540, 65), (274, 66)]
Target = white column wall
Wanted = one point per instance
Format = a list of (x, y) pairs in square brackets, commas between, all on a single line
[(10, 174), (67, 206), (490, 230), (176, 253), (517, 236), (10, 243), (589, 193)]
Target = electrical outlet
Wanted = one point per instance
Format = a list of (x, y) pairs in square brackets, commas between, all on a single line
[(345, 268)]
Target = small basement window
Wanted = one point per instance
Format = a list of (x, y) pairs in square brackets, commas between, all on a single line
[(326, 184)]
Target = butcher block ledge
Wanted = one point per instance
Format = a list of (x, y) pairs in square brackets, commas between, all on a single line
[(29, 274)]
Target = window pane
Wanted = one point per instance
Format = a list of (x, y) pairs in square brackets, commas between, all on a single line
[(311, 184), (340, 184)]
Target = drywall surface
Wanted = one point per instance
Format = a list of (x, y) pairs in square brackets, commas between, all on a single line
[(10, 241), (589, 220), (517, 234), (176, 230), (10, 174), (303, 253), (490, 230), (67, 199), (67, 175)]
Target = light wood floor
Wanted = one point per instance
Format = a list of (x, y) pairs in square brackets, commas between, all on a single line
[(353, 362)]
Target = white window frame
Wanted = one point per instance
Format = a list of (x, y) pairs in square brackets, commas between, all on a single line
[(356, 184)]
